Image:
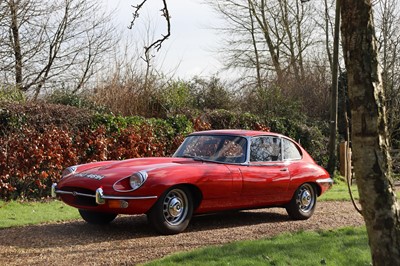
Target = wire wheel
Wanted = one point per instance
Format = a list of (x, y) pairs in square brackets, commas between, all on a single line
[(172, 212), (305, 198), (175, 207), (303, 202)]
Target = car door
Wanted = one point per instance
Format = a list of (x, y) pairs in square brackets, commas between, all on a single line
[(266, 177)]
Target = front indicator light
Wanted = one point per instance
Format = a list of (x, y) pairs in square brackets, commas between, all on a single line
[(116, 204)]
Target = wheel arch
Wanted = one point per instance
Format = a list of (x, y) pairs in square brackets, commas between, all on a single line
[(197, 195), (317, 187)]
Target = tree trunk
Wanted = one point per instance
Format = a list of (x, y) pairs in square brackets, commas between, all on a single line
[(372, 163), (15, 40), (334, 96), (272, 49), (254, 42)]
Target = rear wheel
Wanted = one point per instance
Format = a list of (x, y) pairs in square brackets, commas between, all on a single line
[(172, 212), (97, 217), (302, 204)]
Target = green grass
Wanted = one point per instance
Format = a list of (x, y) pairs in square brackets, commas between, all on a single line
[(15, 213), (340, 192), (348, 246)]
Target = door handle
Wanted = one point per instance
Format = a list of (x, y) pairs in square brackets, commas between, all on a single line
[(283, 169)]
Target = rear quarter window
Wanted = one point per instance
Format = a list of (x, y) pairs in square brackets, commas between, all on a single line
[(290, 151)]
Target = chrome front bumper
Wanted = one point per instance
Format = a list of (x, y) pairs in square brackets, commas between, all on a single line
[(99, 195)]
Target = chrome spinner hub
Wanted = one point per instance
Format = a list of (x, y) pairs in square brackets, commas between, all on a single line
[(175, 207)]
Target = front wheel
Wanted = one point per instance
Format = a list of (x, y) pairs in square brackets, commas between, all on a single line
[(172, 211), (97, 217), (302, 204)]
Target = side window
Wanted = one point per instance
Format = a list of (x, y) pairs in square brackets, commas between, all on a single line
[(232, 150), (290, 151), (265, 149)]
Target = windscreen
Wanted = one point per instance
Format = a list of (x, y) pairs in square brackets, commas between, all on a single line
[(228, 149)]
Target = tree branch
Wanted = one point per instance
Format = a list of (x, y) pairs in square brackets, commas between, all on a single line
[(136, 13), (165, 13)]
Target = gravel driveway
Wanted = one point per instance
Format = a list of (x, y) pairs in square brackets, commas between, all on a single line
[(130, 240)]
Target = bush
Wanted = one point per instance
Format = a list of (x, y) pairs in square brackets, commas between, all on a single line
[(38, 141), (176, 98), (210, 94), (15, 117), (11, 94), (65, 97), (223, 119), (31, 160)]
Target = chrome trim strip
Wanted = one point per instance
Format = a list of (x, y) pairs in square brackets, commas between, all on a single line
[(99, 196), (129, 198), (74, 193)]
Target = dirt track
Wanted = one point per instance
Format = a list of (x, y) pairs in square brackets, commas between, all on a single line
[(130, 240)]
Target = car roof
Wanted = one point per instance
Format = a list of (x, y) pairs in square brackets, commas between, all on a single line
[(236, 132)]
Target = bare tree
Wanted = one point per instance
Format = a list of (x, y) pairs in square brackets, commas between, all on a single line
[(267, 35), (388, 36), (334, 94), (156, 44), (53, 42), (372, 163)]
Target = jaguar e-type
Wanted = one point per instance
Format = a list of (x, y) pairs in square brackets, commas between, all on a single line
[(211, 171)]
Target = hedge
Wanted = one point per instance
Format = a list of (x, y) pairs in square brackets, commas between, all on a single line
[(37, 141)]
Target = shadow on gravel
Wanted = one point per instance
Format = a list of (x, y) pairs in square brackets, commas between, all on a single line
[(235, 219), (124, 228)]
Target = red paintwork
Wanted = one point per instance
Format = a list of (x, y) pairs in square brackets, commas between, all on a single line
[(221, 186)]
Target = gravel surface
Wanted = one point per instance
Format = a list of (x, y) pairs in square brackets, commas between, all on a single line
[(130, 240)]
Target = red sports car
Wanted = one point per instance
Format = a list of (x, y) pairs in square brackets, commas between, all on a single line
[(211, 171)]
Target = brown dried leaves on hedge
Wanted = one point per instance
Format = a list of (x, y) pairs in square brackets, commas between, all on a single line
[(31, 160), (38, 141)]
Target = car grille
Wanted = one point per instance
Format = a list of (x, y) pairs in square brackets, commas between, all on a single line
[(79, 199)]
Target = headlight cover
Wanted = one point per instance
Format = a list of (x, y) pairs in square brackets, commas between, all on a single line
[(137, 179)]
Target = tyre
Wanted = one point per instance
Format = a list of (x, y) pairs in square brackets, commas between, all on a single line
[(97, 217), (302, 204), (172, 211)]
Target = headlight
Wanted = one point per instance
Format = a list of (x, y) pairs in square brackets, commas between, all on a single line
[(69, 170), (137, 179)]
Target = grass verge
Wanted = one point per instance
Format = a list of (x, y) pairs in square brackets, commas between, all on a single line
[(347, 246), (16, 213), (339, 192)]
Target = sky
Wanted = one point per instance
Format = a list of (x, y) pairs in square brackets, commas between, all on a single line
[(190, 50)]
